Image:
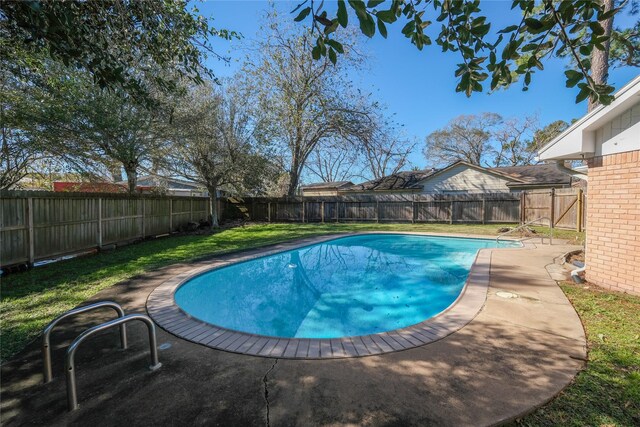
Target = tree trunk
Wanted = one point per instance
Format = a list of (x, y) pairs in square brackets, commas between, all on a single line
[(600, 58), (132, 178), (213, 205), (294, 176), (294, 180)]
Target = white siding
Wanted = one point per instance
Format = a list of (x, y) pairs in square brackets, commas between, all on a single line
[(620, 134), (462, 178)]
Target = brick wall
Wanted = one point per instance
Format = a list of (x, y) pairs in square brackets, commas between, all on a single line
[(613, 222)]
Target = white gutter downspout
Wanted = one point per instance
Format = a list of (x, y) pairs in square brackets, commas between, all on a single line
[(575, 273)]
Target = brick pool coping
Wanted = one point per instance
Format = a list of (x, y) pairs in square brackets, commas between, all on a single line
[(168, 315)]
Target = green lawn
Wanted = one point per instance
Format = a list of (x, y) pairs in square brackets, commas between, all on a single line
[(607, 393)]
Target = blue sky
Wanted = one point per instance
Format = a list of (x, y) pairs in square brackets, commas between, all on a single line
[(418, 87)]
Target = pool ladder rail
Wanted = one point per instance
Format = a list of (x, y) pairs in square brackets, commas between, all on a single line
[(70, 368), (521, 226)]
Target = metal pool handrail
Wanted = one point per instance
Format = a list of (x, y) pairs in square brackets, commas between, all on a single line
[(70, 367), (529, 223), (46, 334)]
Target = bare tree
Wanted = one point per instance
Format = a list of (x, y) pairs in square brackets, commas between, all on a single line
[(466, 138), (513, 142), (306, 101), (385, 152), (215, 143), (334, 161)]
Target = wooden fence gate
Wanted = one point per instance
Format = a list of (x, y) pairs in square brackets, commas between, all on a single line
[(562, 208)]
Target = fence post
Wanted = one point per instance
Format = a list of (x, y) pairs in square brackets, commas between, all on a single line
[(99, 222), (143, 214), (268, 211), (322, 211), (377, 211), (484, 209), (451, 212), (170, 215), (552, 215), (30, 231), (303, 211), (337, 211), (523, 206), (190, 210), (579, 213), (413, 211)]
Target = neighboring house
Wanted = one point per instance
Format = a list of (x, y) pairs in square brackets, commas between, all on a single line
[(324, 188), (401, 182), (88, 187), (169, 186), (465, 178), (609, 139)]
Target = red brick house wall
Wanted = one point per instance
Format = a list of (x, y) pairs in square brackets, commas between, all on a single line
[(613, 222)]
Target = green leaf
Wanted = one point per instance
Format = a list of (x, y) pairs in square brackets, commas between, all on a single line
[(335, 45), (343, 16), (303, 14), (358, 6), (387, 16), (332, 56), (586, 49), (367, 26), (382, 28), (533, 24), (409, 28), (573, 77), (584, 93), (373, 3), (508, 29), (315, 52)]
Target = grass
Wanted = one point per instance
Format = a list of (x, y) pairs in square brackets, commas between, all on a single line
[(607, 392), (29, 300)]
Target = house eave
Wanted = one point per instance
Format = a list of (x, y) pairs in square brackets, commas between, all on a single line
[(578, 141)]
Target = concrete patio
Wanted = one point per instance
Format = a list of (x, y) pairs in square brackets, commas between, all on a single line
[(515, 355)]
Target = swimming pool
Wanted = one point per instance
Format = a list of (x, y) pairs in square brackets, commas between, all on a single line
[(344, 287)]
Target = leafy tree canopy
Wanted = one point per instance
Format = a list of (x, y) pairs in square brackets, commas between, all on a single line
[(121, 43), (546, 28)]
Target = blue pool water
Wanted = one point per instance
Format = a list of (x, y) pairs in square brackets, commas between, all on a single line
[(348, 286)]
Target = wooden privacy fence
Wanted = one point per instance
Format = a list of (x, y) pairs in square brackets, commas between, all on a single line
[(476, 208), (566, 208), (38, 225)]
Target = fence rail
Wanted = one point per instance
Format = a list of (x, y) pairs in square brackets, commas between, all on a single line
[(36, 226)]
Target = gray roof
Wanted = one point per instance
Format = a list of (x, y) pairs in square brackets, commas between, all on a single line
[(327, 185), (543, 174), (398, 181)]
